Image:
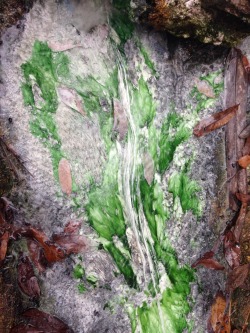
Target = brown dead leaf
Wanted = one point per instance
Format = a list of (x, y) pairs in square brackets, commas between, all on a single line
[(245, 133), (27, 280), (65, 178), (245, 63), (237, 277), (36, 255), (148, 168), (71, 243), (60, 47), (244, 161), (46, 322), (72, 227), (4, 245), (25, 328), (246, 148), (218, 322), (204, 88), (243, 197), (231, 250), (207, 261), (120, 119), (52, 252), (215, 121), (70, 98), (240, 221)]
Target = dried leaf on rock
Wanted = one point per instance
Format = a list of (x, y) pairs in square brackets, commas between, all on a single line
[(245, 198), (148, 168), (245, 63), (6, 210), (244, 161), (240, 221), (231, 250), (215, 121), (70, 98), (46, 322), (71, 243), (120, 119), (52, 252), (4, 245), (72, 227), (24, 328), (246, 148), (218, 322), (36, 255), (245, 133), (207, 261), (65, 178), (27, 280), (205, 89), (60, 47), (237, 277)]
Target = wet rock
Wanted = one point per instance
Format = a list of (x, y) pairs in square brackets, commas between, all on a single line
[(216, 22)]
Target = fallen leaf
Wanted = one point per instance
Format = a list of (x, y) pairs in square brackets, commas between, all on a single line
[(215, 121), (27, 280), (240, 221), (246, 148), (70, 98), (4, 245), (65, 178), (237, 277), (60, 47), (72, 227), (71, 243), (243, 197), (120, 119), (24, 328), (244, 161), (46, 322), (245, 63), (36, 255), (218, 322), (207, 261), (204, 88), (245, 133), (52, 252), (231, 249), (148, 168), (7, 210)]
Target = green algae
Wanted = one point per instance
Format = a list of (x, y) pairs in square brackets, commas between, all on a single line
[(105, 214), (203, 101), (186, 190), (78, 271), (81, 288), (121, 21), (173, 133), (147, 59), (142, 104), (39, 73)]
